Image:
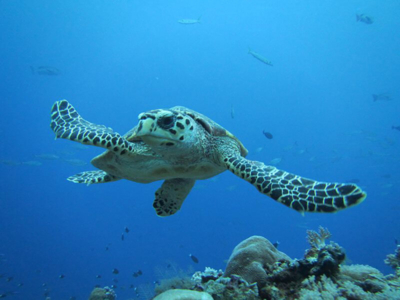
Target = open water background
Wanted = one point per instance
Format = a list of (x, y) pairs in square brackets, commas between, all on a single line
[(120, 58)]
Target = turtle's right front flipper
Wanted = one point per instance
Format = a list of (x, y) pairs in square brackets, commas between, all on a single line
[(68, 124), (299, 193)]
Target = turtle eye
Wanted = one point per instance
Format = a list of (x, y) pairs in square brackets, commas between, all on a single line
[(166, 122)]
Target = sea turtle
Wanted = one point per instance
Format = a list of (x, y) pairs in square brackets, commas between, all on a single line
[(180, 146)]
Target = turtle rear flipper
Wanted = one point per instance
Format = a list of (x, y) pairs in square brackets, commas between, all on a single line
[(301, 194), (68, 124), (170, 196), (91, 177)]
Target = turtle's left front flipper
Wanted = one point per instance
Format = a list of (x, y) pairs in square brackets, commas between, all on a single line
[(301, 194)]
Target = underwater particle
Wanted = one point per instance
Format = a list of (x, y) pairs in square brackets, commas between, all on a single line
[(61, 276), (115, 271), (20, 284), (98, 276), (72, 298), (9, 279), (194, 258), (122, 237), (115, 280), (232, 112), (126, 229), (268, 135)]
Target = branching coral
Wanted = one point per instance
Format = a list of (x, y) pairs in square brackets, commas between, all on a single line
[(393, 260), (317, 239)]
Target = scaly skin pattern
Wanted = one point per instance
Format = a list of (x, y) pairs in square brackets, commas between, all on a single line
[(68, 124), (301, 194), (92, 177)]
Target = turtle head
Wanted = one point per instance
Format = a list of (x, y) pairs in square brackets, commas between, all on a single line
[(166, 130)]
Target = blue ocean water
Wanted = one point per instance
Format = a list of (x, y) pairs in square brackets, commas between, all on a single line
[(123, 57)]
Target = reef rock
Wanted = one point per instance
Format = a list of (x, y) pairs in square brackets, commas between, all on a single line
[(105, 293), (252, 258)]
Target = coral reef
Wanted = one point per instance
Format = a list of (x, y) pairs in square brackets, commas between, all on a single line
[(221, 288), (105, 293), (256, 270), (393, 260)]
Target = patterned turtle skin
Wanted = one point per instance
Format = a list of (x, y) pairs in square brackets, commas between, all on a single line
[(180, 146)]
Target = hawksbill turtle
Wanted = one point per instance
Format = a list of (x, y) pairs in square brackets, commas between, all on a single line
[(179, 145)]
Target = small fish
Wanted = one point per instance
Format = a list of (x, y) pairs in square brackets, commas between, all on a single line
[(113, 286), (122, 237), (10, 162), (232, 112), (381, 97), (127, 230), (32, 163), (396, 127), (396, 242), (61, 276), (364, 18), (47, 156), (8, 279), (98, 276), (72, 298), (276, 244), (194, 258), (260, 57), (189, 21), (115, 280), (137, 274), (45, 70), (115, 271), (268, 135)]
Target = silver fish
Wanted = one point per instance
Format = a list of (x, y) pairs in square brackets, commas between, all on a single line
[(189, 21), (260, 57)]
